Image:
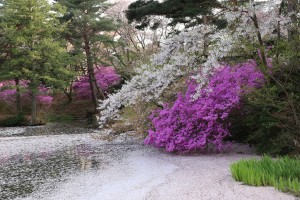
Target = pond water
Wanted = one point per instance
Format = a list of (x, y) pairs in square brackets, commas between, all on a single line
[(25, 173)]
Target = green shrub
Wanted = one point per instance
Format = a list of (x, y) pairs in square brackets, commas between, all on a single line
[(271, 115), (283, 173), (18, 120)]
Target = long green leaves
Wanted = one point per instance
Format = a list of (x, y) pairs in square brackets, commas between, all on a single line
[(283, 173)]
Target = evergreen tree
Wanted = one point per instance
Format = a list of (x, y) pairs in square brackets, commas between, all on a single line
[(188, 12), (30, 46), (86, 27)]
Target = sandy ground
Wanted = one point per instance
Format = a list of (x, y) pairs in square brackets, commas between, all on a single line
[(146, 173)]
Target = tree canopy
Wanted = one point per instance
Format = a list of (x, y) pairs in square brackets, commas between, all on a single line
[(188, 12), (31, 48), (86, 24)]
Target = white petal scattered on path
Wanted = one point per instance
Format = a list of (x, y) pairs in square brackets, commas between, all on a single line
[(144, 173), (31, 144), (8, 131)]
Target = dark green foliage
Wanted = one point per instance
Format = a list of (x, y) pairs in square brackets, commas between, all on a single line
[(85, 24), (18, 120), (31, 47), (283, 173), (271, 114), (188, 12)]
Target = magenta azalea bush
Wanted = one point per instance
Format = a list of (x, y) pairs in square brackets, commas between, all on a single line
[(8, 93), (106, 77), (190, 125)]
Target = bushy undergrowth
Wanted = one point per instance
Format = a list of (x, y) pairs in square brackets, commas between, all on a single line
[(8, 93), (18, 120), (283, 173), (271, 114), (190, 125), (106, 77)]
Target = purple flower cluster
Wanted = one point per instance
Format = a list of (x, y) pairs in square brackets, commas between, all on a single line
[(105, 77), (190, 125), (8, 93)]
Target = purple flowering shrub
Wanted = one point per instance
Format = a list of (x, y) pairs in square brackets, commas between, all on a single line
[(106, 77), (190, 125), (8, 93)]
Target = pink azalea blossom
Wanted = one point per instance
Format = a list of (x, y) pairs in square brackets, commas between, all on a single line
[(8, 93), (106, 77), (190, 125)]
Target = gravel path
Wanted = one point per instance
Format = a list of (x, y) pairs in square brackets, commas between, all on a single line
[(49, 129), (152, 175), (30, 144), (145, 173)]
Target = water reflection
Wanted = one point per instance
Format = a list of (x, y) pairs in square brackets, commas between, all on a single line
[(23, 174), (85, 155)]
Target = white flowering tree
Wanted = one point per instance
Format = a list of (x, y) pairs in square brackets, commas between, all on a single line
[(199, 49)]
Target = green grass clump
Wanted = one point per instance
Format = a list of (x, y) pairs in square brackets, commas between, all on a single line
[(283, 173)]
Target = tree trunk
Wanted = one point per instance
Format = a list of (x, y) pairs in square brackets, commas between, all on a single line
[(292, 8), (91, 73), (96, 90), (18, 97), (69, 93), (263, 57), (260, 41), (33, 106), (205, 37)]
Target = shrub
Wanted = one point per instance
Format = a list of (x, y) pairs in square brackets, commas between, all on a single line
[(8, 93), (283, 173), (190, 125), (106, 77), (18, 120), (271, 114)]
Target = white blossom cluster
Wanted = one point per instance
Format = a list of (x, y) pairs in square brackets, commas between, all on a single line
[(241, 28), (184, 53), (178, 56), (269, 18), (222, 43)]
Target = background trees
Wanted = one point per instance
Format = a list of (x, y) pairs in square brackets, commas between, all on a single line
[(131, 47), (31, 47), (47, 44)]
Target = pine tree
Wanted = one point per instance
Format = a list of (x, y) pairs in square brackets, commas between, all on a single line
[(30, 46), (188, 12), (87, 25)]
